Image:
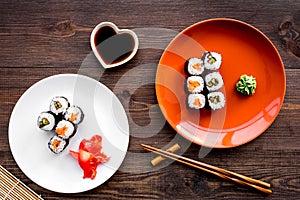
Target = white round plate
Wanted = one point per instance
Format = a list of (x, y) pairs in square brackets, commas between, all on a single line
[(103, 115)]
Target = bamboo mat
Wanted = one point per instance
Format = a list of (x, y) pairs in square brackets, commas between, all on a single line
[(12, 188)]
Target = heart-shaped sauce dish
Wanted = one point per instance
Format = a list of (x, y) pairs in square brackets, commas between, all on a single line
[(113, 46)]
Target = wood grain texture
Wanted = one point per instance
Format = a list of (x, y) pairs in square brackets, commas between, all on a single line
[(39, 39)]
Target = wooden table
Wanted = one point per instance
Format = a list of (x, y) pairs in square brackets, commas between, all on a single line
[(40, 39)]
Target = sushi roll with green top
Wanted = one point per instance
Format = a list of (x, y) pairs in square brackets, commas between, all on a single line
[(216, 100), (214, 81), (46, 121), (59, 105), (194, 66), (74, 114), (57, 144), (212, 60)]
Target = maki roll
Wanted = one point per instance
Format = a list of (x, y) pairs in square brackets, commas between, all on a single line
[(196, 101), (57, 144), (194, 66), (194, 84), (74, 114), (65, 129), (213, 81), (216, 100), (59, 105), (212, 60), (46, 121)]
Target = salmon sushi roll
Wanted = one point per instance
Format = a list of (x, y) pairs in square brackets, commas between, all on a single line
[(194, 66), (194, 84), (65, 129), (74, 114), (57, 144), (196, 101)]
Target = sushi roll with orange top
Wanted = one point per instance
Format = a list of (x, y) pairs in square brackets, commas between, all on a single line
[(196, 101), (194, 84), (65, 129), (74, 114), (194, 66), (57, 144)]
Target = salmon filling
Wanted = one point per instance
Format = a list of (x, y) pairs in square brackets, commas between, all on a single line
[(61, 131), (193, 85)]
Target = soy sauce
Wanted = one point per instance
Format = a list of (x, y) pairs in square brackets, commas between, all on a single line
[(113, 47)]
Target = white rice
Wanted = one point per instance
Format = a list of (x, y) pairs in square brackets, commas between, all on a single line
[(192, 101), (192, 62), (214, 104), (197, 89), (74, 110), (60, 146), (64, 105), (69, 129), (217, 84), (215, 65), (50, 118)]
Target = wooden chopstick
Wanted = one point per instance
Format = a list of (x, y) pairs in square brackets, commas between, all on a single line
[(225, 174), (155, 161)]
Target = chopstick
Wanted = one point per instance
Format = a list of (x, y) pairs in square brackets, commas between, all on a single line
[(225, 174)]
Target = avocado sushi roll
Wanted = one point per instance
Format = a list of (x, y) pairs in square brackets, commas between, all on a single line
[(65, 129), (194, 66), (196, 101), (46, 121), (59, 105), (74, 114), (57, 144), (194, 84), (212, 60), (216, 100), (214, 81)]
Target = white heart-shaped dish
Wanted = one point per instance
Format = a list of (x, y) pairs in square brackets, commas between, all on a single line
[(113, 46)]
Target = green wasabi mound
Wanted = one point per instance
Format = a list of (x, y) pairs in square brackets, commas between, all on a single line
[(246, 85)]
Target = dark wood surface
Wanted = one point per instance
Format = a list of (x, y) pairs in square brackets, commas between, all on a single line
[(42, 38)]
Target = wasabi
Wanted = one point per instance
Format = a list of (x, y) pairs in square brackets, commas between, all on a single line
[(246, 85)]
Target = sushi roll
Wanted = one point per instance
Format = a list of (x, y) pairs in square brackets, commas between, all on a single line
[(74, 114), (216, 100), (196, 101), (65, 129), (212, 60), (46, 121), (59, 105), (213, 81), (194, 66), (57, 144), (194, 84)]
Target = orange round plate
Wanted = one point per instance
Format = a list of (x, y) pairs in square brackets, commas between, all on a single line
[(244, 50)]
